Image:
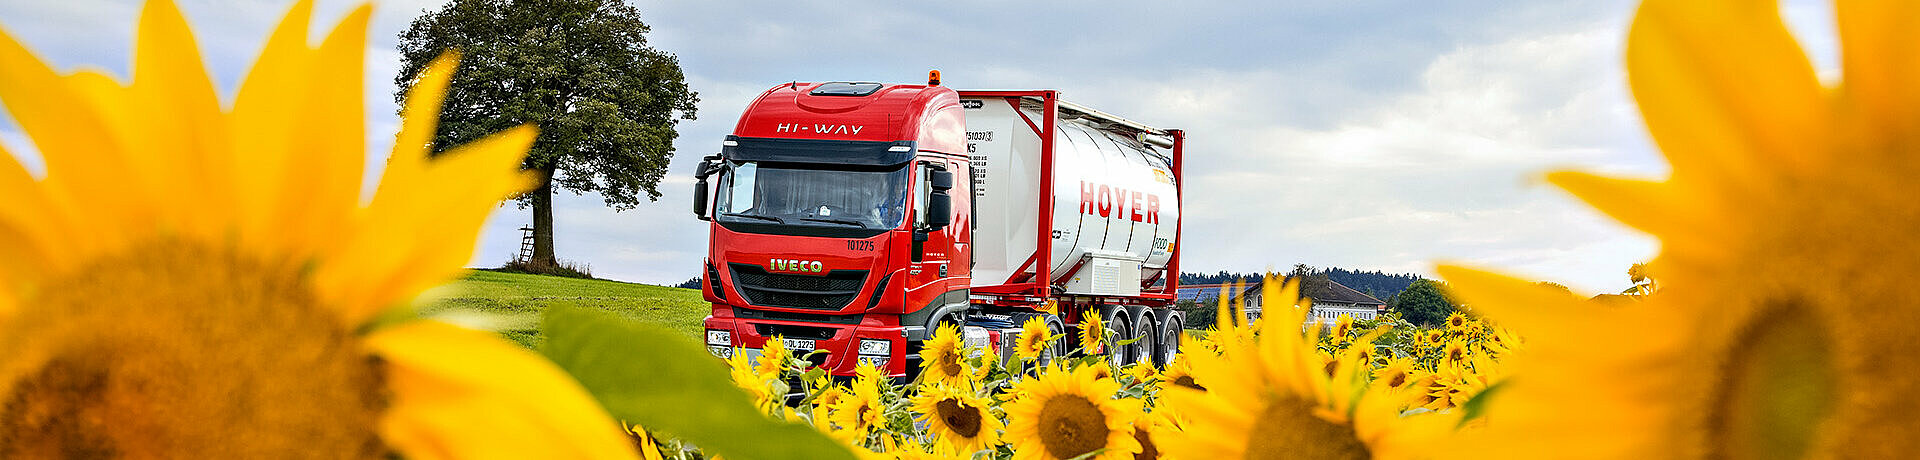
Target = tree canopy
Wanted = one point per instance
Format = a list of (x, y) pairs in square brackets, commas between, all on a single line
[(1423, 302), (606, 103)]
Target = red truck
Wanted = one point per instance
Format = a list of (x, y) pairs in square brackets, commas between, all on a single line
[(858, 217)]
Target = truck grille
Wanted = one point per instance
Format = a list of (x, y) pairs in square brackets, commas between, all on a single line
[(832, 291)]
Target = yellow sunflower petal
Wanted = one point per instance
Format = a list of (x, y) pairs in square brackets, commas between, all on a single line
[(1876, 47), (1723, 87), (79, 148), (462, 394), (454, 191), (1649, 206), (1523, 304), (26, 227), (264, 121), (187, 185), (320, 191)]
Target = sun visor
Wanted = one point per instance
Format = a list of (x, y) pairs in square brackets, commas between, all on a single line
[(864, 153)]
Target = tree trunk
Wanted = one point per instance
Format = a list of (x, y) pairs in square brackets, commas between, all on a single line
[(543, 221)]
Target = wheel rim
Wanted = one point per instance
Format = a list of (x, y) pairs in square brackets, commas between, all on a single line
[(1118, 354), (1169, 346), (1144, 347)]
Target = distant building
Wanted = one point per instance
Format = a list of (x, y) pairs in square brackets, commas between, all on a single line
[(1330, 300), (1203, 294)]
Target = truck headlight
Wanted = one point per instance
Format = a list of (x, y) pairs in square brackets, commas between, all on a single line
[(876, 347), (722, 352), (719, 337)]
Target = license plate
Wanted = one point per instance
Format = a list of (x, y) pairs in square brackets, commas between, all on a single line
[(798, 344)]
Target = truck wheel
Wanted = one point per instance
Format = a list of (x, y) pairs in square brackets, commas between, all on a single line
[(1060, 341), (1145, 336), (1172, 330), (1121, 328)]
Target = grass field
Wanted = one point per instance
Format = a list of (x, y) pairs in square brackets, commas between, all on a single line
[(512, 303)]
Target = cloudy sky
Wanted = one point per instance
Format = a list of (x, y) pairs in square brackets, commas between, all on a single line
[(1373, 135)]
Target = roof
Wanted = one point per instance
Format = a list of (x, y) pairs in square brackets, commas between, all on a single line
[(1321, 289), (1199, 292)]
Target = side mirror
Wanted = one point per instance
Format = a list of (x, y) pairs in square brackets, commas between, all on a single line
[(706, 167), (700, 198), (940, 205), (941, 179)]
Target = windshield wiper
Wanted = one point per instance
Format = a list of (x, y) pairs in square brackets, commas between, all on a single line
[(754, 216), (836, 221)]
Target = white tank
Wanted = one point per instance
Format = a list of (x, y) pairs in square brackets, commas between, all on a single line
[(1115, 206)]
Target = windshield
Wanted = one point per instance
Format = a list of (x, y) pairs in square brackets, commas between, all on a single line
[(796, 195)]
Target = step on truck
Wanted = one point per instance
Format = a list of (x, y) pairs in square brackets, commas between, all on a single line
[(858, 217)]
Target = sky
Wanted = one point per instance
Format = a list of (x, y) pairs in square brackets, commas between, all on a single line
[(1368, 135)]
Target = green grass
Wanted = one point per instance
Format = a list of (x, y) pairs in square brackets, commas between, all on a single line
[(512, 303)]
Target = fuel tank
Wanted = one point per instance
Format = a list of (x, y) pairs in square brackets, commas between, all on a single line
[(1114, 202)]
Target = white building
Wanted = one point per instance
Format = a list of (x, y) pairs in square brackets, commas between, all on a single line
[(1330, 300)]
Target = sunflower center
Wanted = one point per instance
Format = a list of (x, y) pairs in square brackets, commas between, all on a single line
[(1147, 450), (950, 365), (177, 350), (1396, 379), (1780, 387), (1288, 428), (1071, 427), (965, 421), (1187, 381)]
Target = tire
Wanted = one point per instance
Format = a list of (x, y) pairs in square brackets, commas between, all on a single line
[(1059, 347), (1121, 327), (1145, 334), (1172, 331)]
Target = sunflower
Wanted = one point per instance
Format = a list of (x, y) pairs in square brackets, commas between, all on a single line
[(747, 377), (773, 359), (988, 362), (1180, 372), (186, 281), (1787, 254), (645, 442), (859, 409), (1445, 388), (1456, 321), (1454, 353), (1341, 326), (1145, 427), (1395, 374), (1067, 413), (961, 421), (1033, 340), (823, 403), (1142, 372), (1092, 332), (940, 359), (1271, 398), (1101, 368)]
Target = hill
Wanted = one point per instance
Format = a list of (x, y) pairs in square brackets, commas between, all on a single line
[(512, 303)]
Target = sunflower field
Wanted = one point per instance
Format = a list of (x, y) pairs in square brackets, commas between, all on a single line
[(1332, 387)]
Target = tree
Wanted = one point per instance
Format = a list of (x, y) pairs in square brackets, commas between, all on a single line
[(606, 103), (1424, 302)]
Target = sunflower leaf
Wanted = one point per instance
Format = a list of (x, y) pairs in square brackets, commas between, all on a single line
[(664, 382)]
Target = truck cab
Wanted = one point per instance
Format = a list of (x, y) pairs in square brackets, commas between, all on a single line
[(837, 223)]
